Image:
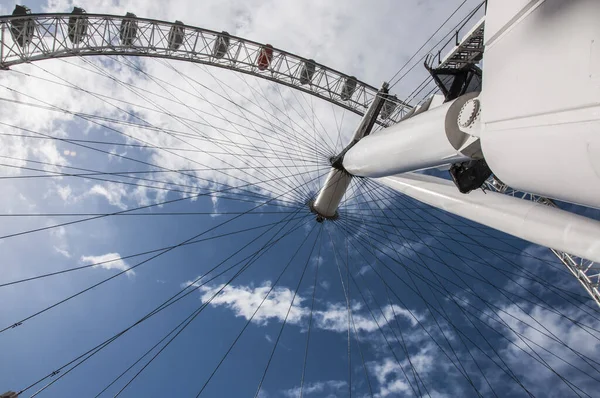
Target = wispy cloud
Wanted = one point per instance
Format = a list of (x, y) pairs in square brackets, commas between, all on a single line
[(62, 252), (329, 388), (109, 261), (113, 193), (244, 300)]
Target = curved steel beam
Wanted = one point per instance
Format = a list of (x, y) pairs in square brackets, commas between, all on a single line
[(153, 38)]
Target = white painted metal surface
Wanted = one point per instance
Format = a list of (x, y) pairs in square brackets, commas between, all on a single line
[(51, 41), (541, 97), (532, 221), (429, 139), (331, 194)]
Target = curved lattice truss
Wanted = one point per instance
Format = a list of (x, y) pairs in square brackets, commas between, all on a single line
[(585, 271), (42, 36)]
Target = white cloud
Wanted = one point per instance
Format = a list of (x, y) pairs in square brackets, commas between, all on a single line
[(585, 341), (389, 377), (109, 260), (113, 193), (65, 192), (243, 301), (329, 388), (63, 252)]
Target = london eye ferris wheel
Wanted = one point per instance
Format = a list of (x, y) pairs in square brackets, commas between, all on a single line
[(190, 212)]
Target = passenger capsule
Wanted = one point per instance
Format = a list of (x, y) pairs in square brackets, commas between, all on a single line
[(128, 30), (348, 88), (264, 57), (176, 35), (77, 25), (221, 45), (307, 72), (389, 106), (22, 29)]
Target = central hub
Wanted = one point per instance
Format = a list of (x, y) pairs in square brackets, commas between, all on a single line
[(327, 202)]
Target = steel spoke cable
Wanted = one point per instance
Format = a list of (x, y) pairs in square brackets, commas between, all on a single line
[(547, 306), (197, 136), (374, 188), (183, 325), (482, 261), (297, 138), (402, 344), (360, 194), (504, 324), (314, 128), (462, 333), (479, 245), (189, 93), (361, 240), (346, 290), (424, 44), (249, 320), (215, 108), (248, 193), (301, 148), (316, 144), (197, 190), (338, 141), (96, 264), (310, 317), (440, 328), (391, 350), (129, 158), (441, 306), (464, 20), (173, 299), (416, 374), (244, 115), (178, 296), (117, 213), (513, 376), (137, 125), (242, 77), (263, 151), (171, 115), (264, 375), (18, 323), (306, 114), (348, 311), (466, 290)]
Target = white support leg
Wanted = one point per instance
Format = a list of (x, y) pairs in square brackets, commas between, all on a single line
[(534, 222)]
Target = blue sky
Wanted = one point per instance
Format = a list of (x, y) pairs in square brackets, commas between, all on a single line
[(440, 307)]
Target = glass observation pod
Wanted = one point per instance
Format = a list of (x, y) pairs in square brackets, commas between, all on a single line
[(265, 57), (389, 106), (128, 31), (221, 45), (308, 71), (22, 29), (348, 88), (77, 25), (176, 35)]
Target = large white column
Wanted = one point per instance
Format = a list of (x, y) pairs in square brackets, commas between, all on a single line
[(532, 221), (429, 139), (540, 101)]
